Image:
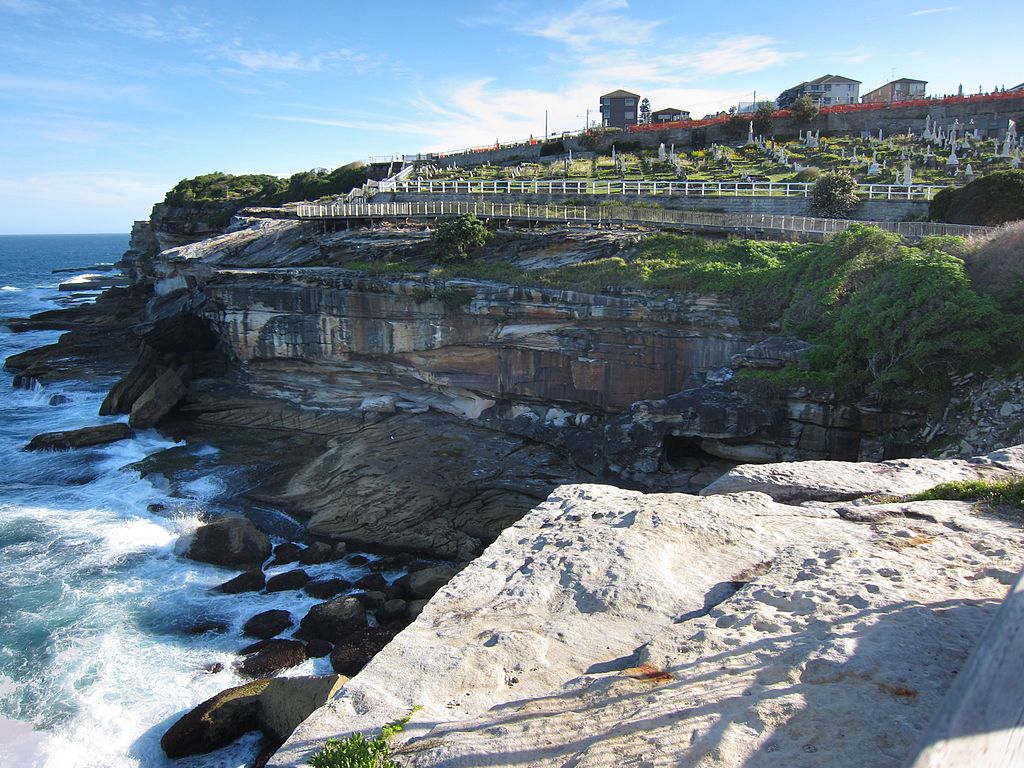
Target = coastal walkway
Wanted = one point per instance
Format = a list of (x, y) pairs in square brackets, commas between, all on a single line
[(621, 215), (920, 192)]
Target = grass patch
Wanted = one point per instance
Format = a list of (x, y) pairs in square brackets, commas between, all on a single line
[(997, 492), (356, 751)]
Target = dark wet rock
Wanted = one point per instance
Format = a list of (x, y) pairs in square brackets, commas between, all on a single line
[(248, 581), (317, 649), (392, 610), (333, 620), (372, 581), (214, 667), (415, 608), (288, 580), (124, 393), (216, 722), (399, 589), (207, 625), (275, 707), (372, 600), (358, 560), (399, 562), (325, 589), (230, 541), (340, 550), (58, 400), (157, 401), (317, 552), (286, 553), (358, 648), (79, 438), (252, 648), (272, 657), (425, 583), (267, 624)]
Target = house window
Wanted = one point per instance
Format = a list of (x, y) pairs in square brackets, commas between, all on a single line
[(630, 102), (630, 115), (605, 102), (828, 86)]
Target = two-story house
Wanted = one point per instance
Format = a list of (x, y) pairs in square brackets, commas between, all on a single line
[(669, 115), (903, 89), (619, 109), (825, 91)]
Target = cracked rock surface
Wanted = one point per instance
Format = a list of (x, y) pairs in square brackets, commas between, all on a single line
[(609, 627)]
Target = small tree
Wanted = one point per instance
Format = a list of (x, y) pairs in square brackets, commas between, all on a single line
[(455, 240), (764, 124), (804, 110), (645, 111), (834, 195)]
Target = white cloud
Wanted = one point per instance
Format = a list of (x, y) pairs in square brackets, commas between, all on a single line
[(857, 55), (928, 11), (749, 53), (593, 23)]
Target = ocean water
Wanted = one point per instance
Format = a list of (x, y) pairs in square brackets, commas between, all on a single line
[(95, 657)]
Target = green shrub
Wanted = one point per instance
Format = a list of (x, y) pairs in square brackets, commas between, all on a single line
[(454, 299), (1007, 492), (556, 147), (764, 118), (457, 239), (356, 751), (989, 201), (804, 110), (420, 294), (884, 319), (834, 195)]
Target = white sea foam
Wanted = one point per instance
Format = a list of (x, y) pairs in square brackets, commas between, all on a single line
[(83, 278), (93, 600)]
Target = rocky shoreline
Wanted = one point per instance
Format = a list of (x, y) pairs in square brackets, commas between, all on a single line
[(593, 624)]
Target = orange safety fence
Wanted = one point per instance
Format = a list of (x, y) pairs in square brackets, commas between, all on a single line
[(834, 110)]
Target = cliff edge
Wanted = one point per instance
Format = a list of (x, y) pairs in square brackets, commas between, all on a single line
[(610, 627)]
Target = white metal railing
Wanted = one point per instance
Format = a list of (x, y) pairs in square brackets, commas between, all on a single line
[(645, 188), (613, 214)]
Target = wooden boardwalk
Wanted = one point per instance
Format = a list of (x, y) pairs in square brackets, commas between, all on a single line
[(613, 215)]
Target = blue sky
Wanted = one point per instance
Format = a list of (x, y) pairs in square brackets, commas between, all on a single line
[(105, 105)]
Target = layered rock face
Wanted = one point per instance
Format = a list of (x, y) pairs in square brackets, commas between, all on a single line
[(609, 627), (531, 387)]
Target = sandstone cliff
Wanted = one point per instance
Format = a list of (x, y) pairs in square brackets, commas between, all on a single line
[(405, 369), (609, 627)]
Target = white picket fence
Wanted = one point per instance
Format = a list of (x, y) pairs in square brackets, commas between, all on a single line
[(646, 188), (621, 214)]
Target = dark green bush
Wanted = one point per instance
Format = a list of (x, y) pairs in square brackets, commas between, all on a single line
[(454, 299), (457, 239), (764, 119), (804, 110), (834, 195), (989, 201), (556, 147)]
